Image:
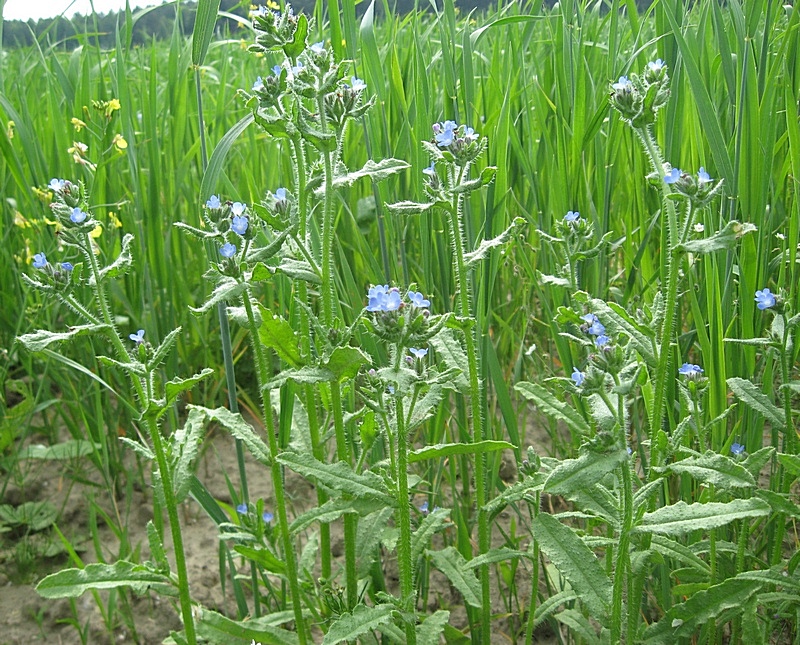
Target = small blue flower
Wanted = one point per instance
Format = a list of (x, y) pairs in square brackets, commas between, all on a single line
[(227, 250), (418, 353), (390, 389), (602, 341), (39, 261), (357, 84), (296, 69), (737, 449), (239, 224), (276, 69), (622, 84), (242, 509), (237, 208), (392, 301), (423, 508), (444, 134), (673, 176), (138, 337), (578, 376), (590, 318), (78, 216), (690, 370), (765, 299), (382, 298), (656, 65), (418, 300), (572, 216), (319, 47), (596, 328), (267, 517), (56, 184), (430, 170), (280, 195), (213, 202), (258, 85), (67, 266), (702, 176)]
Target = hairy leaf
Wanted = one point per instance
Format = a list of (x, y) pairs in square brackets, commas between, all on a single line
[(681, 517), (452, 564), (757, 400), (363, 619), (552, 407), (71, 583)]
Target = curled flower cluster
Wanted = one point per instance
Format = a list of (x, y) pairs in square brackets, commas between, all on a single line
[(459, 140), (633, 98), (699, 189)]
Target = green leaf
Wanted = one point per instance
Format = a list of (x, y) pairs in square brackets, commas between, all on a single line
[(430, 629), (157, 548), (204, 22), (552, 407), (332, 510), (670, 548), (449, 449), (486, 246), (757, 400), (777, 575), (757, 460), (363, 619), (277, 334), (688, 618), (791, 463), (121, 265), (71, 583), (308, 374), (495, 555), (219, 155), (722, 240), (430, 524), (345, 362), (185, 444), (161, 351), (371, 530), (177, 386), (227, 289), (34, 516), (681, 517), (339, 477), (41, 339), (263, 558), (452, 564), (713, 468), (298, 44), (450, 351), (216, 628), (619, 321), (551, 605), (72, 449), (299, 270), (576, 562), (408, 208), (376, 171), (574, 475), (516, 492), (240, 429)]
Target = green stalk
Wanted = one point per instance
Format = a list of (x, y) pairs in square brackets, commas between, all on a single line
[(342, 447), (158, 448), (262, 375), (462, 285), (534, 580), (404, 563)]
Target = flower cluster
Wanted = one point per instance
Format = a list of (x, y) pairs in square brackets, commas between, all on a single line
[(639, 98), (400, 319), (460, 141), (594, 327), (699, 189)]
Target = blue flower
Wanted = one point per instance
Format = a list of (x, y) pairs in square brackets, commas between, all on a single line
[(578, 376), (67, 266), (267, 517), (276, 69), (418, 300), (656, 65), (237, 208), (56, 184), (572, 216), (423, 508), (418, 353), (239, 224), (227, 250), (702, 176), (622, 84), (280, 195), (242, 509), (602, 340), (673, 176), (213, 202), (444, 133), (737, 449), (357, 84), (430, 170), (596, 328), (39, 261), (258, 85), (78, 216), (765, 299), (138, 337), (381, 298), (589, 318), (690, 370), (319, 47)]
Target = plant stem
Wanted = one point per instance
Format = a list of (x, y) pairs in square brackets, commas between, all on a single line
[(404, 563), (262, 375)]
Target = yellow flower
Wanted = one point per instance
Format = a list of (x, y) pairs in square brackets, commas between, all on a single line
[(271, 4), (111, 107), (119, 142), (21, 221), (10, 129), (114, 220), (77, 124), (97, 231)]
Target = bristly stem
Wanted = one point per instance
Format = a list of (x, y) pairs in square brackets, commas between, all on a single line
[(262, 375)]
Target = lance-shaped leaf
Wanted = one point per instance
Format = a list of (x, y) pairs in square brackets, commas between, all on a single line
[(227, 289), (486, 177), (196, 232), (299, 270), (670, 548), (486, 246), (779, 503), (722, 240), (617, 321), (452, 564), (41, 339), (308, 374), (408, 208), (72, 449), (576, 562), (790, 463), (687, 619), (332, 510), (71, 583), (449, 449), (516, 492), (216, 628), (552, 407), (161, 351), (349, 626), (185, 444), (371, 530), (376, 171), (715, 469), (277, 334), (177, 386), (451, 352), (757, 400), (132, 367), (121, 265), (777, 575), (495, 555), (551, 605), (262, 557), (681, 517), (430, 524), (430, 629), (240, 429), (339, 477), (344, 362), (575, 474)]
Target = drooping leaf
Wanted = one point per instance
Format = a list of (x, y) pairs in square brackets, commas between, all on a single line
[(339, 477), (552, 407), (226, 289), (408, 208), (516, 492), (371, 530), (332, 510), (486, 246), (71, 583), (350, 626), (713, 468), (549, 606), (452, 564), (377, 171), (576, 562), (430, 629), (722, 240), (216, 628), (41, 339), (277, 334), (121, 265), (240, 429), (671, 548), (748, 392), (434, 521), (576, 474), (449, 449), (681, 517), (67, 450), (185, 444), (495, 555)]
